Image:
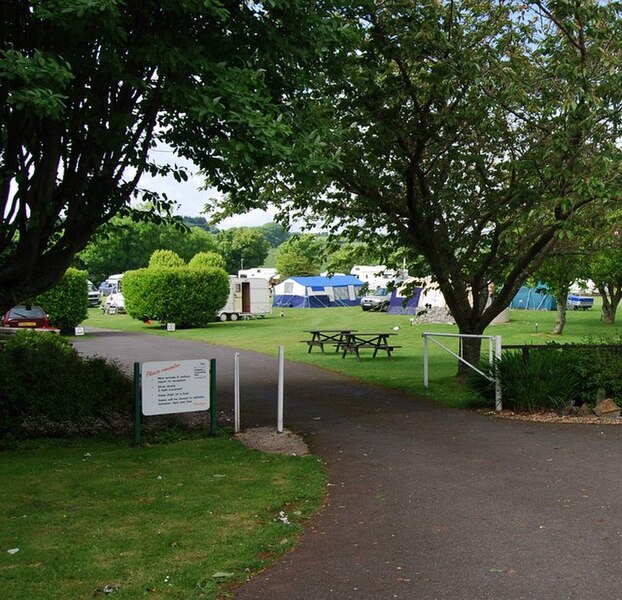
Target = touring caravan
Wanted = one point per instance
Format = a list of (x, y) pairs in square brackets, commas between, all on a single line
[(248, 297)]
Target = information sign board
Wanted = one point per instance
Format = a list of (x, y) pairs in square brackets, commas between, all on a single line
[(175, 387)]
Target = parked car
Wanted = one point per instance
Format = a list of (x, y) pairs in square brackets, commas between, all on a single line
[(378, 300), (93, 294), (26, 316)]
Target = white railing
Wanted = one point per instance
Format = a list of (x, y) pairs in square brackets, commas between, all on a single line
[(494, 351)]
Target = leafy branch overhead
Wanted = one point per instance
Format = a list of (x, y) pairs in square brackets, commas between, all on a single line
[(87, 89), (471, 133)]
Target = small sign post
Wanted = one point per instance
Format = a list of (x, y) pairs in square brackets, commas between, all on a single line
[(170, 387)]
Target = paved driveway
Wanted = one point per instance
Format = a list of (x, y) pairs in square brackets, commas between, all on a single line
[(424, 502)]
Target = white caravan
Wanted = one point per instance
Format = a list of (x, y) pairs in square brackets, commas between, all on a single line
[(248, 297)]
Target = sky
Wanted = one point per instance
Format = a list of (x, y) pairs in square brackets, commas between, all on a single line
[(191, 198)]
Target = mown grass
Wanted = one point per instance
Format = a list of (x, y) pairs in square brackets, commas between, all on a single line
[(404, 371), (185, 520)]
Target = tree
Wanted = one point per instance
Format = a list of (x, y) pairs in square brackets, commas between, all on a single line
[(605, 270), (274, 233), (301, 256), (565, 264), (200, 222), (242, 248), (123, 244), (470, 133), (87, 89)]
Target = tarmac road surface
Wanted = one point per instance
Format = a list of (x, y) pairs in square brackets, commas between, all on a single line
[(424, 502)]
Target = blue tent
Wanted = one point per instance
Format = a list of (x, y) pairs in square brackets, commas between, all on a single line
[(534, 298), (404, 305), (318, 292)]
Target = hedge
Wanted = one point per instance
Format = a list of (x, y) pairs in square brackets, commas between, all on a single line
[(47, 388), (66, 303), (188, 297)]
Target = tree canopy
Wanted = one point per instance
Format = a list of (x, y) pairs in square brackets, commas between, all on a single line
[(87, 88), (469, 132)]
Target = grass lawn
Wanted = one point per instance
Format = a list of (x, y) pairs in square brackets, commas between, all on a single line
[(184, 520), (404, 371)]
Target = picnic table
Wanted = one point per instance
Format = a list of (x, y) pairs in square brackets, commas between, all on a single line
[(353, 342), (319, 337)]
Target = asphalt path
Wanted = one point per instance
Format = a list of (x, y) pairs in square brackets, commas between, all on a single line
[(424, 502)]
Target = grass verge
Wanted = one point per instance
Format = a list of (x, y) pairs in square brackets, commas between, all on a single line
[(185, 520)]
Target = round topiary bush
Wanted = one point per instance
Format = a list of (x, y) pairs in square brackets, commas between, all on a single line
[(188, 297), (207, 259), (165, 258)]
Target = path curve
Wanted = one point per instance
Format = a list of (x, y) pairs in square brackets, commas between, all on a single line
[(425, 503)]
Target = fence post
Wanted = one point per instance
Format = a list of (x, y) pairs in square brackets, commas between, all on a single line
[(498, 400), (236, 393), (425, 360)]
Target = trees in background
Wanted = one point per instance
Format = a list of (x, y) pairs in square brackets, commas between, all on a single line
[(302, 256), (242, 248), (124, 244)]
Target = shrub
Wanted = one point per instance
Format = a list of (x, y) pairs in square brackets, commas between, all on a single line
[(598, 368), (44, 381), (67, 302), (165, 258), (547, 380), (185, 296), (207, 259)]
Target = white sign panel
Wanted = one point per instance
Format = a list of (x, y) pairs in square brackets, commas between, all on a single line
[(175, 387)]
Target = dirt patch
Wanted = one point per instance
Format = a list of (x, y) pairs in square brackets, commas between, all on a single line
[(267, 439), (551, 417)]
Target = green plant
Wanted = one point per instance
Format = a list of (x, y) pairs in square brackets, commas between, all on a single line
[(67, 302), (207, 259), (165, 258), (183, 295), (598, 367), (47, 388), (545, 380)]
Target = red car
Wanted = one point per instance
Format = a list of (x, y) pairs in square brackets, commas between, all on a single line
[(26, 316)]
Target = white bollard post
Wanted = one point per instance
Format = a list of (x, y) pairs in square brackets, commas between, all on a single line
[(279, 417), (425, 360), (236, 393), (498, 401)]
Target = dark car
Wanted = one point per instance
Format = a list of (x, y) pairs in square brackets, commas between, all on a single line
[(26, 316), (378, 300)]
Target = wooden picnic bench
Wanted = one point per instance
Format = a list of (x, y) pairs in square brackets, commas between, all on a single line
[(319, 337), (354, 342)]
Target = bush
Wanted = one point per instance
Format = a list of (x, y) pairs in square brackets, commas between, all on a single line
[(165, 258), (46, 386), (188, 297), (547, 380), (207, 259), (598, 368), (67, 302)]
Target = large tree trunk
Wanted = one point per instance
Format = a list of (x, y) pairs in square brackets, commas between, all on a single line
[(560, 321), (471, 353), (611, 298)]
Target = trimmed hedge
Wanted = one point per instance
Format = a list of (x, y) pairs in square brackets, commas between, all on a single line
[(165, 258), (66, 303), (188, 297), (207, 259), (47, 388)]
